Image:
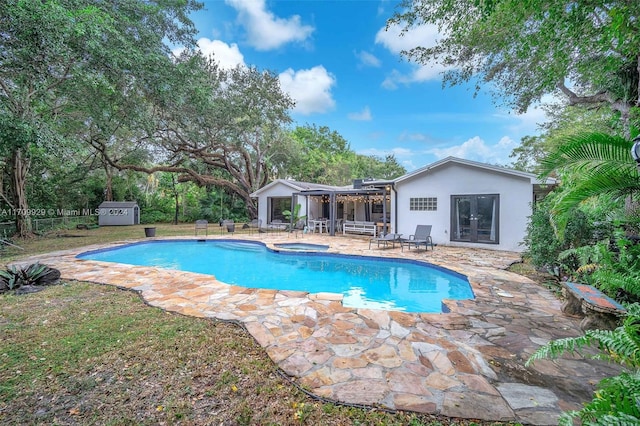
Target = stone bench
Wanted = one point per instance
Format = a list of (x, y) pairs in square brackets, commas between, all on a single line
[(598, 310), (359, 227)]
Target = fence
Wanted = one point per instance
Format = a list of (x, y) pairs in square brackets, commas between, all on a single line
[(8, 229), (42, 225)]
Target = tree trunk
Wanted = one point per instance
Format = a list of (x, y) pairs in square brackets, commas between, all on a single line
[(20, 167), (176, 196), (108, 193)]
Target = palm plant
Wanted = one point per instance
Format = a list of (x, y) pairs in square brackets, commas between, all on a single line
[(294, 217), (593, 164)]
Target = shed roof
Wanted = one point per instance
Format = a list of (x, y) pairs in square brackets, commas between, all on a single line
[(118, 204)]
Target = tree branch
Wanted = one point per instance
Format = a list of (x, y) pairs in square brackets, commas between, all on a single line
[(622, 107)]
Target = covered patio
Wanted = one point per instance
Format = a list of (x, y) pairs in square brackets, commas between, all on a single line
[(327, 209)]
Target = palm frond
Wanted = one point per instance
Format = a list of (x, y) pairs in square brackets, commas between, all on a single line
[(605, 180), (588, 151)]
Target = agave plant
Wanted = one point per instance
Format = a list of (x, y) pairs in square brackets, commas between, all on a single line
[(32, 275), (9, 279)]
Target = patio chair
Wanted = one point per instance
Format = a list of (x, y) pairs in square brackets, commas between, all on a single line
[(200, 225), (386, 240), (421, 237), (254, 225)]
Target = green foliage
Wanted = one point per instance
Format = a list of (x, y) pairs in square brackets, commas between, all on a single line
[(541, 242), (614, 267), (68, 68), (616, 399), (528, 153), (294, 217), (591, 165), (526, 49), (322, 155), (31, 275), (579, 230)]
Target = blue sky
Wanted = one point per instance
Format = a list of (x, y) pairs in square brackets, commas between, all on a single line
[(345, 71)]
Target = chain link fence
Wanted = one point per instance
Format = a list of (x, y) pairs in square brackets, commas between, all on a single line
[(40, 226)]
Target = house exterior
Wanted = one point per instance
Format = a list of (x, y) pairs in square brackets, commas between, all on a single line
[(115, 213), (467, 203), (282, 194)]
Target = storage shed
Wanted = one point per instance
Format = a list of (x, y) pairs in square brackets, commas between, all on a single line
[(114, 213)]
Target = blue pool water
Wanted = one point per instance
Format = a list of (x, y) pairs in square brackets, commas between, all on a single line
[(365, 282), (302, 246)]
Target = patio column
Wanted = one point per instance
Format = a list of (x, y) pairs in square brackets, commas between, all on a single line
[(333, 212), (385, 226), (293, 204)]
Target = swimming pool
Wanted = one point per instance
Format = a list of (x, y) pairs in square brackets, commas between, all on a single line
[(302, 246), (365, 282)]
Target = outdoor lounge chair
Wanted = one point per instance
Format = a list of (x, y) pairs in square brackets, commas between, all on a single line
[(421, 237), (386, 240), (202, 225)]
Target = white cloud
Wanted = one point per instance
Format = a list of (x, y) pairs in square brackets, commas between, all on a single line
[(311, 89), (228, 56), (404, 156), (364, 115), (398, 152), (265, 31), (395, 42), (367, 59), (477, 149), (529, 122)]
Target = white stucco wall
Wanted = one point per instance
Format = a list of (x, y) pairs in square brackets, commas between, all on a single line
[(278, 190), (516, 195)]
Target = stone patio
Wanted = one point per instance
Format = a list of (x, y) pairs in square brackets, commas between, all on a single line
[(468, 363)]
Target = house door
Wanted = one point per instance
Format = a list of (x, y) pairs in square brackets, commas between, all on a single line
[(475, 218)]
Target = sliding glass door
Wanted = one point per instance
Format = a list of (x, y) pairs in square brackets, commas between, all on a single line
[(475, 218)]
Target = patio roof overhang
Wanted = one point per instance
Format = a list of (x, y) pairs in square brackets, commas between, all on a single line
[(381, 189)]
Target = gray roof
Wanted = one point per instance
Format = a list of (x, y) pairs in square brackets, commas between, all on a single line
[(498, 169), (118, 204)]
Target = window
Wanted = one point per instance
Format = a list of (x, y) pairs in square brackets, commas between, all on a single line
[(277, 206), (423, 204)]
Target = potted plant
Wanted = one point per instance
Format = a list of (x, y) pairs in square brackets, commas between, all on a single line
[(293, 218)]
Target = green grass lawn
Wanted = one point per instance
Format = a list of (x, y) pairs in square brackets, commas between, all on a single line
[(83, 354), (71, 238)]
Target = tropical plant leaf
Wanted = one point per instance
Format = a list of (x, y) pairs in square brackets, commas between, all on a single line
[(597, 164), (588, 151)]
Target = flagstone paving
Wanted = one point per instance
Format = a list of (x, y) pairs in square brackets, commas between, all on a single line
[(467, 363)]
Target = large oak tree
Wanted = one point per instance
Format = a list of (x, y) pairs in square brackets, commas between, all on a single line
[(587, 50), (50, 49)]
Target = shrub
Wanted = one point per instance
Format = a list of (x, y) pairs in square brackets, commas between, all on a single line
[(542, 245), (35, 274)]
